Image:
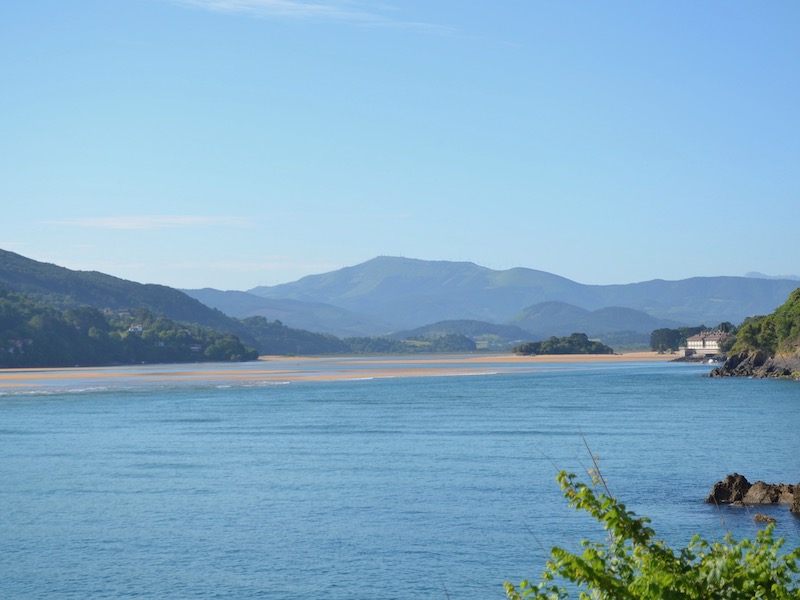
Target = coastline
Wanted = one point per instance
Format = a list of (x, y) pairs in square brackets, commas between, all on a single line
[(276, 369)]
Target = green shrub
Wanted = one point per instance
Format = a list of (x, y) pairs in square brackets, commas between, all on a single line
[(633, 564)]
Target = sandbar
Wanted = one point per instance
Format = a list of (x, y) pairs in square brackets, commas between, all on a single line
[(495, 358), (271, 369)]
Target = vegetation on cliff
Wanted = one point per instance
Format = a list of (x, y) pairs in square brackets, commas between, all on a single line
[(767, 346), (778, 333)]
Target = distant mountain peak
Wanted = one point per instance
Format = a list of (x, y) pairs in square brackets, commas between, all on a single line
[(757, 275)]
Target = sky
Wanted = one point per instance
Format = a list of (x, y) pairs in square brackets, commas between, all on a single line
[(238, 143)]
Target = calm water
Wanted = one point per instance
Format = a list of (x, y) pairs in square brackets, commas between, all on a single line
[(408, 488)]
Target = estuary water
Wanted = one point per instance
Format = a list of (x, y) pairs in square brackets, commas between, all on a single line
[(408, 487)]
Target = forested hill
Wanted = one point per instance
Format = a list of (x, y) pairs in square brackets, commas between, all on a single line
[(767, 346), (35, 334), (64, 287), (57, 294)]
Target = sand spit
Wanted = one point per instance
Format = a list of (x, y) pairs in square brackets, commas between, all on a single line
[(309, 368)]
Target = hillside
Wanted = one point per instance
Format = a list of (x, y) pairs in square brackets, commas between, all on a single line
[(767, 346), (35, 334), (64, 287)]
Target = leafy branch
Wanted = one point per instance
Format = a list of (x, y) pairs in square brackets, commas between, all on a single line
[(633, 565)]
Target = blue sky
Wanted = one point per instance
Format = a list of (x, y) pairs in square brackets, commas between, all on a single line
[(236, 143)]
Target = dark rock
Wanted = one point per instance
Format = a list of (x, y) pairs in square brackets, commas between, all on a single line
[(769, 493), (731, 489), (735, 489), (762, 518), (759, 364)]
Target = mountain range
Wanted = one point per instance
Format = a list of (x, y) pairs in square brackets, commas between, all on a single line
[(402, 297), (391, 294)]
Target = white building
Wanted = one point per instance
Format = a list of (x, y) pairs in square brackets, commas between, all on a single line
[(705, 343)]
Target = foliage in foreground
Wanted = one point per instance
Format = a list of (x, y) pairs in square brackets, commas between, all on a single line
[(633, 564)]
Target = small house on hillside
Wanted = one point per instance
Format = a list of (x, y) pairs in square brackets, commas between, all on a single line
[(705, 343)]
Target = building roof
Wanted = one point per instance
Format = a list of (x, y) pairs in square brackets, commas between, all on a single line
[(708, 335)]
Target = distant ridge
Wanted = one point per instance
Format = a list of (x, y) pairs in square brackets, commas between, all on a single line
[(540, 319), (409, 293), (757, 275)]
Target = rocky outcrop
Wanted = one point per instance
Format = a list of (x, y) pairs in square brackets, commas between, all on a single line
[(735, 489), (769, 493), (731, 489), (759, 364)]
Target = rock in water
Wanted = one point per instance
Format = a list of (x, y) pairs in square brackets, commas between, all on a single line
[(735, 489), (731, 489), (769, 493), (761, 518)]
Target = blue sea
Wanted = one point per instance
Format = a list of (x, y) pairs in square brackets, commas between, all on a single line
[(143, 486)]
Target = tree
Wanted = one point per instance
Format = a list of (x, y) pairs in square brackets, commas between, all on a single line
[(665, 340), (634, 565), (726, 327)]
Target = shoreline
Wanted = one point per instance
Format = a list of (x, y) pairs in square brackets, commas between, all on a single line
[(484, 358), (277, 369)]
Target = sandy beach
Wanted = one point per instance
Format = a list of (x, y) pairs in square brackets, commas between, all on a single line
[(310, 368)]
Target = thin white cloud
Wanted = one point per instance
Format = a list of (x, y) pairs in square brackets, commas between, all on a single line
[(353, 12), (153, 221)]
